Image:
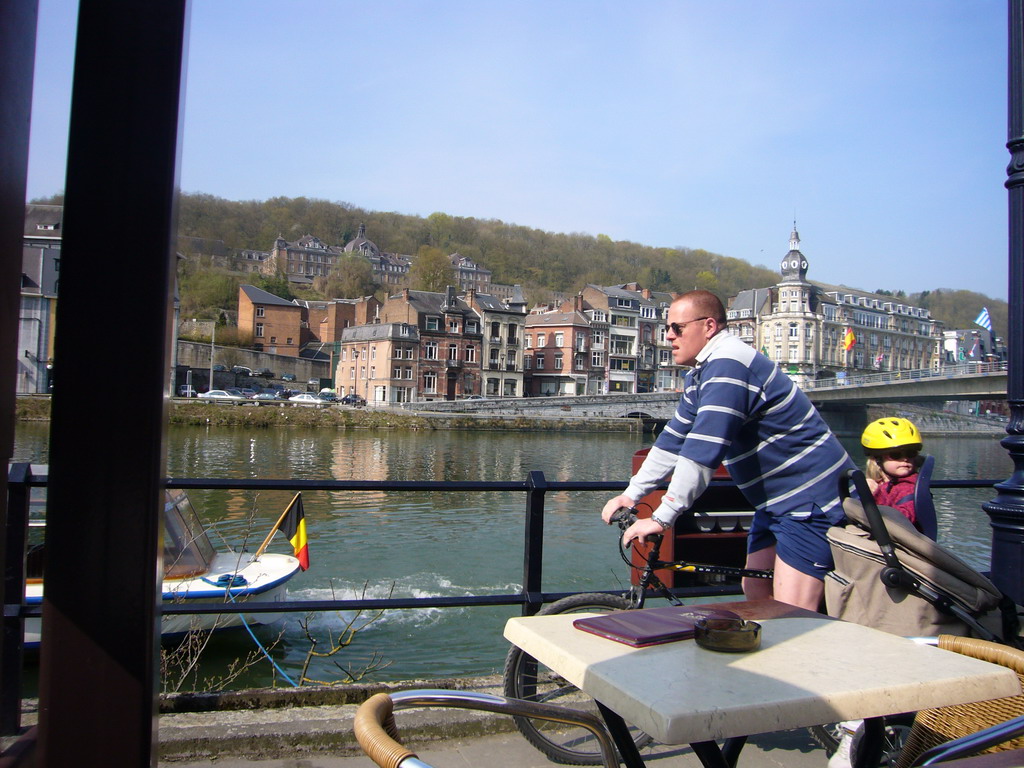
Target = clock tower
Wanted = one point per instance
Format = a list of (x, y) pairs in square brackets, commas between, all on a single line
[(794, 263)]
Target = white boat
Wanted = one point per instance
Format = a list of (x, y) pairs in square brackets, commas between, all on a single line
[(194, 572)]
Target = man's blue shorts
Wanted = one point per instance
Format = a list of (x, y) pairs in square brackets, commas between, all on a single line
[(798, 538)]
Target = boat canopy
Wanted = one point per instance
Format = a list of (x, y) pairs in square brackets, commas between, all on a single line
[(188, 551)]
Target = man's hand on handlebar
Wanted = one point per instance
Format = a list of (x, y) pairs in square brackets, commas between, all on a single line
[(614, 505), (641, 530)]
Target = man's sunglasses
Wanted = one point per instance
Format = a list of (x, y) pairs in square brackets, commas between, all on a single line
[(902, 453), (677, 328)]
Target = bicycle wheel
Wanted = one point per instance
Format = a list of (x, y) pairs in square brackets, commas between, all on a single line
[(525, 678), (896, 729)]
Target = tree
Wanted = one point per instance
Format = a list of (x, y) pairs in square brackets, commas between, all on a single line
[(351, 278), (277, 285), (431, 270)]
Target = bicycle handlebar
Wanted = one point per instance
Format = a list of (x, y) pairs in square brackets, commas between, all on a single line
[(624, 516)]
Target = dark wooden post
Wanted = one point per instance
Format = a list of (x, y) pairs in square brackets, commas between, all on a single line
[(98, 670), (1006, 510), (17, 55)]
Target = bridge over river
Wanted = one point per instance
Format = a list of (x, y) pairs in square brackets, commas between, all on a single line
[(843, 401)]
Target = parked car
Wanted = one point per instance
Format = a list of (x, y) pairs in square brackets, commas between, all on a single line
[(241, 370), (475, 397), (266, 396), (288, 377), (353, 399), (248, 392), (220, 394), (328, 396), (219, 367), (186, 390), (264, 372), (306, 398), (235, 391)]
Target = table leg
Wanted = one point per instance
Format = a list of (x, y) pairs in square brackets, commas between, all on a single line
[(622, 737), (869, 751)]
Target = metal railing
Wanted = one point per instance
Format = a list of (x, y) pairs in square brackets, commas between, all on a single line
[(903, 377), (531, 596)]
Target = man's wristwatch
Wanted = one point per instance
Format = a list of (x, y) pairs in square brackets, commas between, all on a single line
[(664, 526)]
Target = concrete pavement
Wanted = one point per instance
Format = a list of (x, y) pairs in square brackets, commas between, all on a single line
[(319, 735)]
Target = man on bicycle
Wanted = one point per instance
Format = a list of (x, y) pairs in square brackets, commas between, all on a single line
[(739, 409)]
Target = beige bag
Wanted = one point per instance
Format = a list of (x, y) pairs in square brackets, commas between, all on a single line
[(855, 591)]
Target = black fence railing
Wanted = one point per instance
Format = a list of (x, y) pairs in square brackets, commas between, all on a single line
[(531, 596)]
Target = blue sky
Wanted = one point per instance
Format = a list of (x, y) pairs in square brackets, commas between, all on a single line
[(879, 125)]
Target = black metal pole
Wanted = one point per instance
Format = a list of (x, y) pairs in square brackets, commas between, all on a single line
[(98, 660), (1006, 510), (533, 557)]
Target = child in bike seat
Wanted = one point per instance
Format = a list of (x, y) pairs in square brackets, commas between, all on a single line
[(893, 447)]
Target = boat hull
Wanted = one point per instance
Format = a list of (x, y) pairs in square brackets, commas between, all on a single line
[(232, 578)]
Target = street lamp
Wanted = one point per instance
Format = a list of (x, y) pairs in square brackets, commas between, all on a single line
[(213, 339)]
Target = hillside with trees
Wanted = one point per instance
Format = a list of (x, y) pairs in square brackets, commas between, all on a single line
[(543, 263)]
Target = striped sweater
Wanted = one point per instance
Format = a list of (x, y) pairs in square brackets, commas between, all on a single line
[(739, 409)]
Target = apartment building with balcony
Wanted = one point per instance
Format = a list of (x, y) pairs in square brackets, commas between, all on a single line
[(503, 325), (560, 358), (804, 326), (379, 361), (629, 323), (450, 341)]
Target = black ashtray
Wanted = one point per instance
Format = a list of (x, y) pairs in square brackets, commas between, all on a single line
[(728, 635)]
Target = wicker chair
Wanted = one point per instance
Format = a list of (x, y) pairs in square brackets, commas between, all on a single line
[(377, 732), (933, 727)]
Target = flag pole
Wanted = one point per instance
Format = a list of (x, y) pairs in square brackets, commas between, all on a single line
[(277, 525)]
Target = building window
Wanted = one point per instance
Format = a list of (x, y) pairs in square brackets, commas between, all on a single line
[(430, 382), (559, 339), (453, 325), (472, 326), (529, 341), (453, 352), (430, 350), (470, 354), (540, 362), (557, 364), (542, 339), (273, 339), (597, 360), (433, 324), (621, 345), (289, 342), (259, 330), (259, 311)]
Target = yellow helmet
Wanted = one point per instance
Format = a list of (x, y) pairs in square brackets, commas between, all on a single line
[(884, 434)]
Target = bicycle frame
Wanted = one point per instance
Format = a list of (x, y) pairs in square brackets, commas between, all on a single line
[(649, 580)]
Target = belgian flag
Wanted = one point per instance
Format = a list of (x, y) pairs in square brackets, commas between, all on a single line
[(294, 528)]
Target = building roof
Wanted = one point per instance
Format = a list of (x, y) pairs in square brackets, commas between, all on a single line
[(381, 331), (259, 296), (43, 220), (361, 243), (556, 318)]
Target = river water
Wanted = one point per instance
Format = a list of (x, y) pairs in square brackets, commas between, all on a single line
[(429, 544)]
